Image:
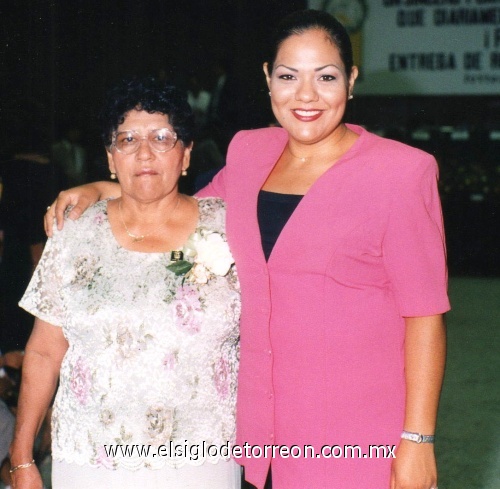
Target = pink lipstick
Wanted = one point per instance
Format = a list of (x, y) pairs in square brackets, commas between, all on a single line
[(305, 115)]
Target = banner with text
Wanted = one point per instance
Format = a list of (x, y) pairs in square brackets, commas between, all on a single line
[(423, 47)]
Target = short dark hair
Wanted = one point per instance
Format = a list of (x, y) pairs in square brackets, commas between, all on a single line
[(304, 20), (151, 95)]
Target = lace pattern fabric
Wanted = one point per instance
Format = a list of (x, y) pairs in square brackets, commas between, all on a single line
[(152, 357)]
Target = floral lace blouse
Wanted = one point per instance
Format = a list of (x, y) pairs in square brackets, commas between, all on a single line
[(153, 355)]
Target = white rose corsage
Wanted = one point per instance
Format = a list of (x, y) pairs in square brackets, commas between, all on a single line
[(205, 254)]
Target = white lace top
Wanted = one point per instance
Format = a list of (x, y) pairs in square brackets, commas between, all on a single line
[(152, 356)]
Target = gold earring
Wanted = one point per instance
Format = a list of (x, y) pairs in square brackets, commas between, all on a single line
[(113, 176), (184, 173)]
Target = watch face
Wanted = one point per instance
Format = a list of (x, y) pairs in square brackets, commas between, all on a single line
[(351, 13), (412, 437)]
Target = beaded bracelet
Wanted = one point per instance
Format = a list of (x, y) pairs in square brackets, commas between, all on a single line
[(22, 466)]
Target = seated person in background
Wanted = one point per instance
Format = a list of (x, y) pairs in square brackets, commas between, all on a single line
[(11, 360)]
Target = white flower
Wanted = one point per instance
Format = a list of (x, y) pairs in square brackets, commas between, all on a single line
[(205, 254), (213, 253), (199, 274)]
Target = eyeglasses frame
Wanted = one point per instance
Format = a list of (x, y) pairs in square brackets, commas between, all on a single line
[(142, 138)]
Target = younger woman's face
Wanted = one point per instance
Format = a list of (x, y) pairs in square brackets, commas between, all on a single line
[(309, 86)]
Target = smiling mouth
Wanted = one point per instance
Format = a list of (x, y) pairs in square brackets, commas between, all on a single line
[(306, 115)]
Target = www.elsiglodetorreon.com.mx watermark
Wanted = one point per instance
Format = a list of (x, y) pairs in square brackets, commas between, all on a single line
[(204, 450)]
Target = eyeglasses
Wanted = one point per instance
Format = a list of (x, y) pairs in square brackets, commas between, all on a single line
[(159, 140)]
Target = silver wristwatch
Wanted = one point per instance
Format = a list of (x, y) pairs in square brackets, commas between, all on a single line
[(417, 437)]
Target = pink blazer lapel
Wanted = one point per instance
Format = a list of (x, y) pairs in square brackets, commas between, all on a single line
[(251, 157)]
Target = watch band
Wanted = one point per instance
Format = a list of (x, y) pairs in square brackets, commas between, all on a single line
[(417, 437)]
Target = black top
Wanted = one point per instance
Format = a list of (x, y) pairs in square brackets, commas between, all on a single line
[(273, 212)]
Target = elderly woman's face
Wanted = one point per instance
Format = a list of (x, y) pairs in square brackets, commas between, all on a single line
[(147, 175), (309, 86)]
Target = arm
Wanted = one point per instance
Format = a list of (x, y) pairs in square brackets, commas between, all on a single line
[(216, 188), (42, 361), (81, 198), (425, 354)]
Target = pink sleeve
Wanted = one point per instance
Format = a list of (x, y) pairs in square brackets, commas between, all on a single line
[(414, 244), (216, 188)]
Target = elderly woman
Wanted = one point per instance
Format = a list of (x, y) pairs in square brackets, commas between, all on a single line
[(137, 309), (338, 239)]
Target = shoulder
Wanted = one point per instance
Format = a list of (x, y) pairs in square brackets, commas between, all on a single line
[(251, 151), (266, 136), (212, 214), (89, 222), (95, 214), (394, 159)]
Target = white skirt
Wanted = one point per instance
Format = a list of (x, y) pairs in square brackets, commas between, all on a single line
[(222, 475)]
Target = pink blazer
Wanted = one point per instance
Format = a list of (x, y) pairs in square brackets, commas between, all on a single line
[(322, 327)]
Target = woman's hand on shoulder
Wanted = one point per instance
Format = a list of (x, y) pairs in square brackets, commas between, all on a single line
[(81, 198), (414, 466), (28, 478)]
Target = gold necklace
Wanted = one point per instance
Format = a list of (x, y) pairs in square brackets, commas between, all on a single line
[(303, 159), (137, 238)]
